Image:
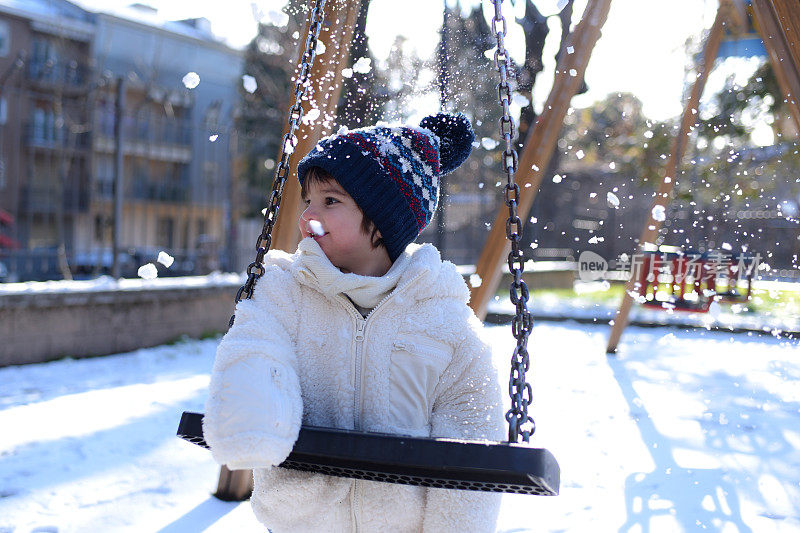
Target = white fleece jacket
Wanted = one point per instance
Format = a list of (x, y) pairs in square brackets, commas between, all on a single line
[(416, 365)]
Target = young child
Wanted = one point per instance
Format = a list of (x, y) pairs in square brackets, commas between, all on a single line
[(359, 329)]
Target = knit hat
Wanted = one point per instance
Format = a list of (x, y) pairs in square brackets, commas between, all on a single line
[(393, 173)]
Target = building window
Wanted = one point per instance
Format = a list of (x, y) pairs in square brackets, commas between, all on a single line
[(201, 226), (3, 111), (166, 226), (100, 225), (5, 39), (104, 175)]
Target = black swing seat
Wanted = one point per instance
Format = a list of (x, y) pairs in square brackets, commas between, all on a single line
[(443, 463)]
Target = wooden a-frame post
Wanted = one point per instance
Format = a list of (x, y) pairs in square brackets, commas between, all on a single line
[(326, 86), (538, 148), (688, 120), (779, 27)]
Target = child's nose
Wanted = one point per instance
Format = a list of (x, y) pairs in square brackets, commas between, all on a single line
[(308, 213), (305, 216)]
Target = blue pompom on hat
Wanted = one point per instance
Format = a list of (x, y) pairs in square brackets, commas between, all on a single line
[(393, 173)]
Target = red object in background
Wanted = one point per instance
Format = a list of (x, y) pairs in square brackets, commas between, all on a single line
[(678, 285), (8, 242), (7, 219)]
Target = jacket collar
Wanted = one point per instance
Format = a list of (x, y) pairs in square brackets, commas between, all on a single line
[(419, 262)]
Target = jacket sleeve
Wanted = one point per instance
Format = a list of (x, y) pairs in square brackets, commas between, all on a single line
[(468, 405), (254, 408)]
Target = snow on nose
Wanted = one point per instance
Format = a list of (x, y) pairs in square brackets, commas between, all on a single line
[(316, 227)]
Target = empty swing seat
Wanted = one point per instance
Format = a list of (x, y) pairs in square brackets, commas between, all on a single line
[(429, 462)]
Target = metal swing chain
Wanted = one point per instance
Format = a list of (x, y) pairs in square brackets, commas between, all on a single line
[(518, 388), (256, 269)]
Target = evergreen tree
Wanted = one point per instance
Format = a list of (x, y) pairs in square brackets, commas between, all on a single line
[(402, 74), (467, 83), (265, 99), (364, 90)]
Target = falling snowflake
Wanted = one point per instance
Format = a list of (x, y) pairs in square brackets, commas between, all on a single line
[(363, 65), (311, 116), (191, 80), (249, 83), (165, 259), (147, 271), (659, 213), (520, 100), (612, 200), (488, 143)]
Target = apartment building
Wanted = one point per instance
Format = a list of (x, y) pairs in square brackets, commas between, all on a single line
[(61, 69)]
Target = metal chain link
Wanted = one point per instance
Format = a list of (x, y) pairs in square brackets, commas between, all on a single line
[(256, 269), (518, 388)]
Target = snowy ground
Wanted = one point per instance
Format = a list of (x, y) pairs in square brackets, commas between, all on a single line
[(683, 431)]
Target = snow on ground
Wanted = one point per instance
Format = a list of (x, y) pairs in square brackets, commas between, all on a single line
[(107, 283), (682, 431)]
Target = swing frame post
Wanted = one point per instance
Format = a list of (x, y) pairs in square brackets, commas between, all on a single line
[(325, 89), (651, 226), (779, 25), (538, 149), (234, 485)]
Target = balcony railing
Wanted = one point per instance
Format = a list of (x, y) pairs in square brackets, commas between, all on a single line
[(146, 189), (43, 199), (56, 74), (149, 131), (103, 189), (49, 136)]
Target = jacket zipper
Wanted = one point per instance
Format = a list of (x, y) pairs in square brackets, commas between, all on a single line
[(360, 325), (355, 504), (358, 400)]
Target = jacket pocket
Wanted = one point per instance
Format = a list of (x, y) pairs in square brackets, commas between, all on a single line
[(417, 365)]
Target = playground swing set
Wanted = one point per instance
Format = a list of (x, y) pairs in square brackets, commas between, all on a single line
[(678, 280), (504, 466)]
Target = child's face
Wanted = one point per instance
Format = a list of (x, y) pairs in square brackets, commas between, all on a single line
[(344, 242)]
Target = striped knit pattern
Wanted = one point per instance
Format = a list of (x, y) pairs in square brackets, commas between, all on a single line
[(411, 159)]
